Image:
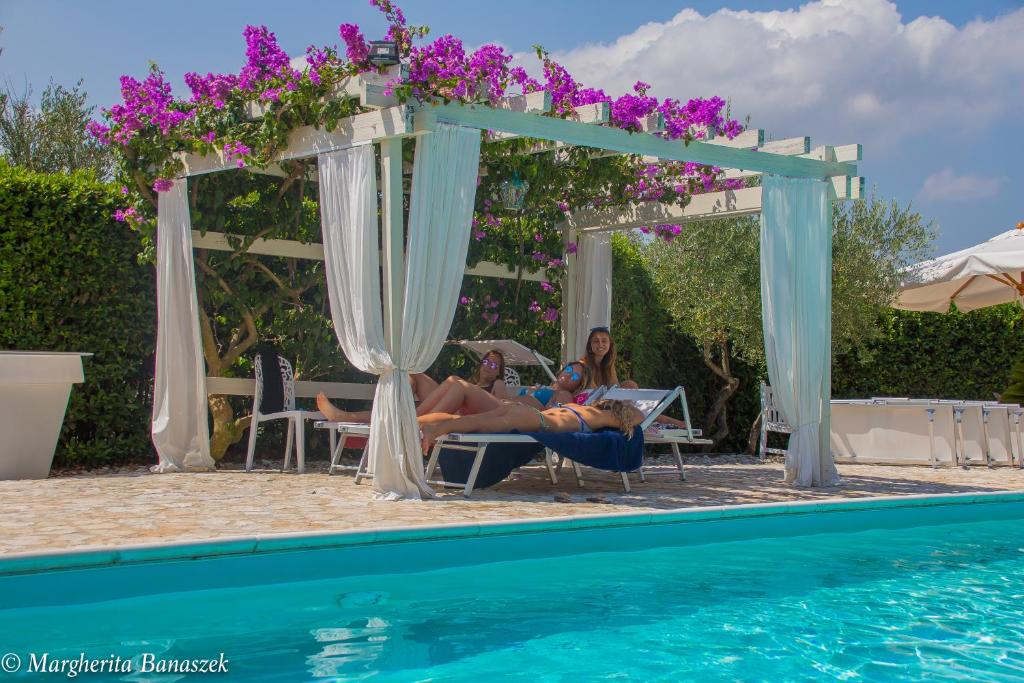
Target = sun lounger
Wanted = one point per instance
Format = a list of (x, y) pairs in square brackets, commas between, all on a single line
[(652, 402)]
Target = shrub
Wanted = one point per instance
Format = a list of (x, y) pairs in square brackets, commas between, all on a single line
[(70, 281)]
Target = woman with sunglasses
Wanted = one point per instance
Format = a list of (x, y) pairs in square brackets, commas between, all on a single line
[(571, 379), (489, 376), (456, 395), (487, 380)]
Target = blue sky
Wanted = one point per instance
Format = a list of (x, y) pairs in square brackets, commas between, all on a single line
[(933, 89)]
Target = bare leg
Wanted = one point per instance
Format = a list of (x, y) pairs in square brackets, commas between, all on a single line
[(429, 402), (507, 417), (336, 414), (422, 385), (665, 419), (466, 397)]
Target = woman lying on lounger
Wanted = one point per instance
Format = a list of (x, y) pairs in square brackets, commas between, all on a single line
[(569, 417), (455, 395)]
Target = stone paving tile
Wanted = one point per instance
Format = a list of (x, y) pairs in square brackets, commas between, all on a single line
[(95, 510)]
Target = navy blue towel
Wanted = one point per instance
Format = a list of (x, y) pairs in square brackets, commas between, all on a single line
[(607, 449), (499, 461)]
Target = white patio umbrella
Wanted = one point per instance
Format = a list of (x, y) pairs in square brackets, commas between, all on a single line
[(986, 274)]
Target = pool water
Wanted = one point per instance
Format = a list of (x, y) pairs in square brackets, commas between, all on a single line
[(939, 602)]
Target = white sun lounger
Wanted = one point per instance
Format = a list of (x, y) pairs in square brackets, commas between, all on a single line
[(652, 403), (478, 443), (340, 431)]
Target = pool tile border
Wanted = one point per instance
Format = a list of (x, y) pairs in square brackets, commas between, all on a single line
[(37, 562)]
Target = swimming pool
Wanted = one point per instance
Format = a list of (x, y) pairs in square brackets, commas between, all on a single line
[(873, 590)]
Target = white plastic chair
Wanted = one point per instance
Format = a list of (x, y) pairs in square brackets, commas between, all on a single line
[(511, 377), (772, 420), (296, 418)]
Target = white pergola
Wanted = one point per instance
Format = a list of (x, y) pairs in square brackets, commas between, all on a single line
[(387, 122)]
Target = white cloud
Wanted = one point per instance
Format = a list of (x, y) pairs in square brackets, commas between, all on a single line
[(948, 186), (839, 70)]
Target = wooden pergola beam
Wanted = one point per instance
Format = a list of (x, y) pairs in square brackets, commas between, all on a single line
[(614, 139), (711, 205), (314, 251), (409, 120)]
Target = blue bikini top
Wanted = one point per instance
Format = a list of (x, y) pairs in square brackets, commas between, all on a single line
[(543, 394)]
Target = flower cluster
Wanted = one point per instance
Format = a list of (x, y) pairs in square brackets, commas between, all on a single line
[(149, 102), (236, 151)]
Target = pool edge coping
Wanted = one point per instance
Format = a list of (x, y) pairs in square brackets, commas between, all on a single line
[(196, 549)]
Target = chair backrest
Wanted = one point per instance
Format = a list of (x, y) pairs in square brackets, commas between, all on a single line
[(287, 380), (511, 377), (650, 402), (770, 411), (594, 395)]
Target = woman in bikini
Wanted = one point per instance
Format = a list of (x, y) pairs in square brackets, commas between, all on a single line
[(569, 417), (455, 395)]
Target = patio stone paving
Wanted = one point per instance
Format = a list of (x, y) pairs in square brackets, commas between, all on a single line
[(133, 507)]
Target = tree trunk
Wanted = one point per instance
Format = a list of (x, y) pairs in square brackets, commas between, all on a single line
[(755, 435), (718, 413), (227, 430)]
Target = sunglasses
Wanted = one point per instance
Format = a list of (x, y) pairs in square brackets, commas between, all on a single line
[(570, 370), (492, 364)]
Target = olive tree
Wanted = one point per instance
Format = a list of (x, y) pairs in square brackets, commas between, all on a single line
[(709, 280)]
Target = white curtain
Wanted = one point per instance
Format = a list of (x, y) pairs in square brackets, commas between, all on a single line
[(593, 287), (443, 190), (180, 431), (796, 308)]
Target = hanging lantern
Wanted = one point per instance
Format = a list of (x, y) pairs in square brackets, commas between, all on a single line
[(513, 192), (383, 52)]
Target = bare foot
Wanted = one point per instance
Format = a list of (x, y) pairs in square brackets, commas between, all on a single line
[(429, 434), (330, 411)]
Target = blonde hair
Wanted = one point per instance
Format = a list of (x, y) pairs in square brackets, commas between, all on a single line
[(624, 412)]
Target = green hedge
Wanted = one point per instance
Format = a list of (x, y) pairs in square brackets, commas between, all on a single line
[(70, 281), (954, 355)]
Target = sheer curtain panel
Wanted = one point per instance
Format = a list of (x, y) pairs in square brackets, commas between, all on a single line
[(443, 191), (796, 308), (593, 286), (180, 431)]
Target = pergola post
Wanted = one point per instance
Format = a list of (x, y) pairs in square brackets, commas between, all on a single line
[(569, 300), (393, 241)]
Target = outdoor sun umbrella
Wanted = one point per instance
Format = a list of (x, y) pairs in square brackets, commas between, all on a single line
[(986, 274)]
